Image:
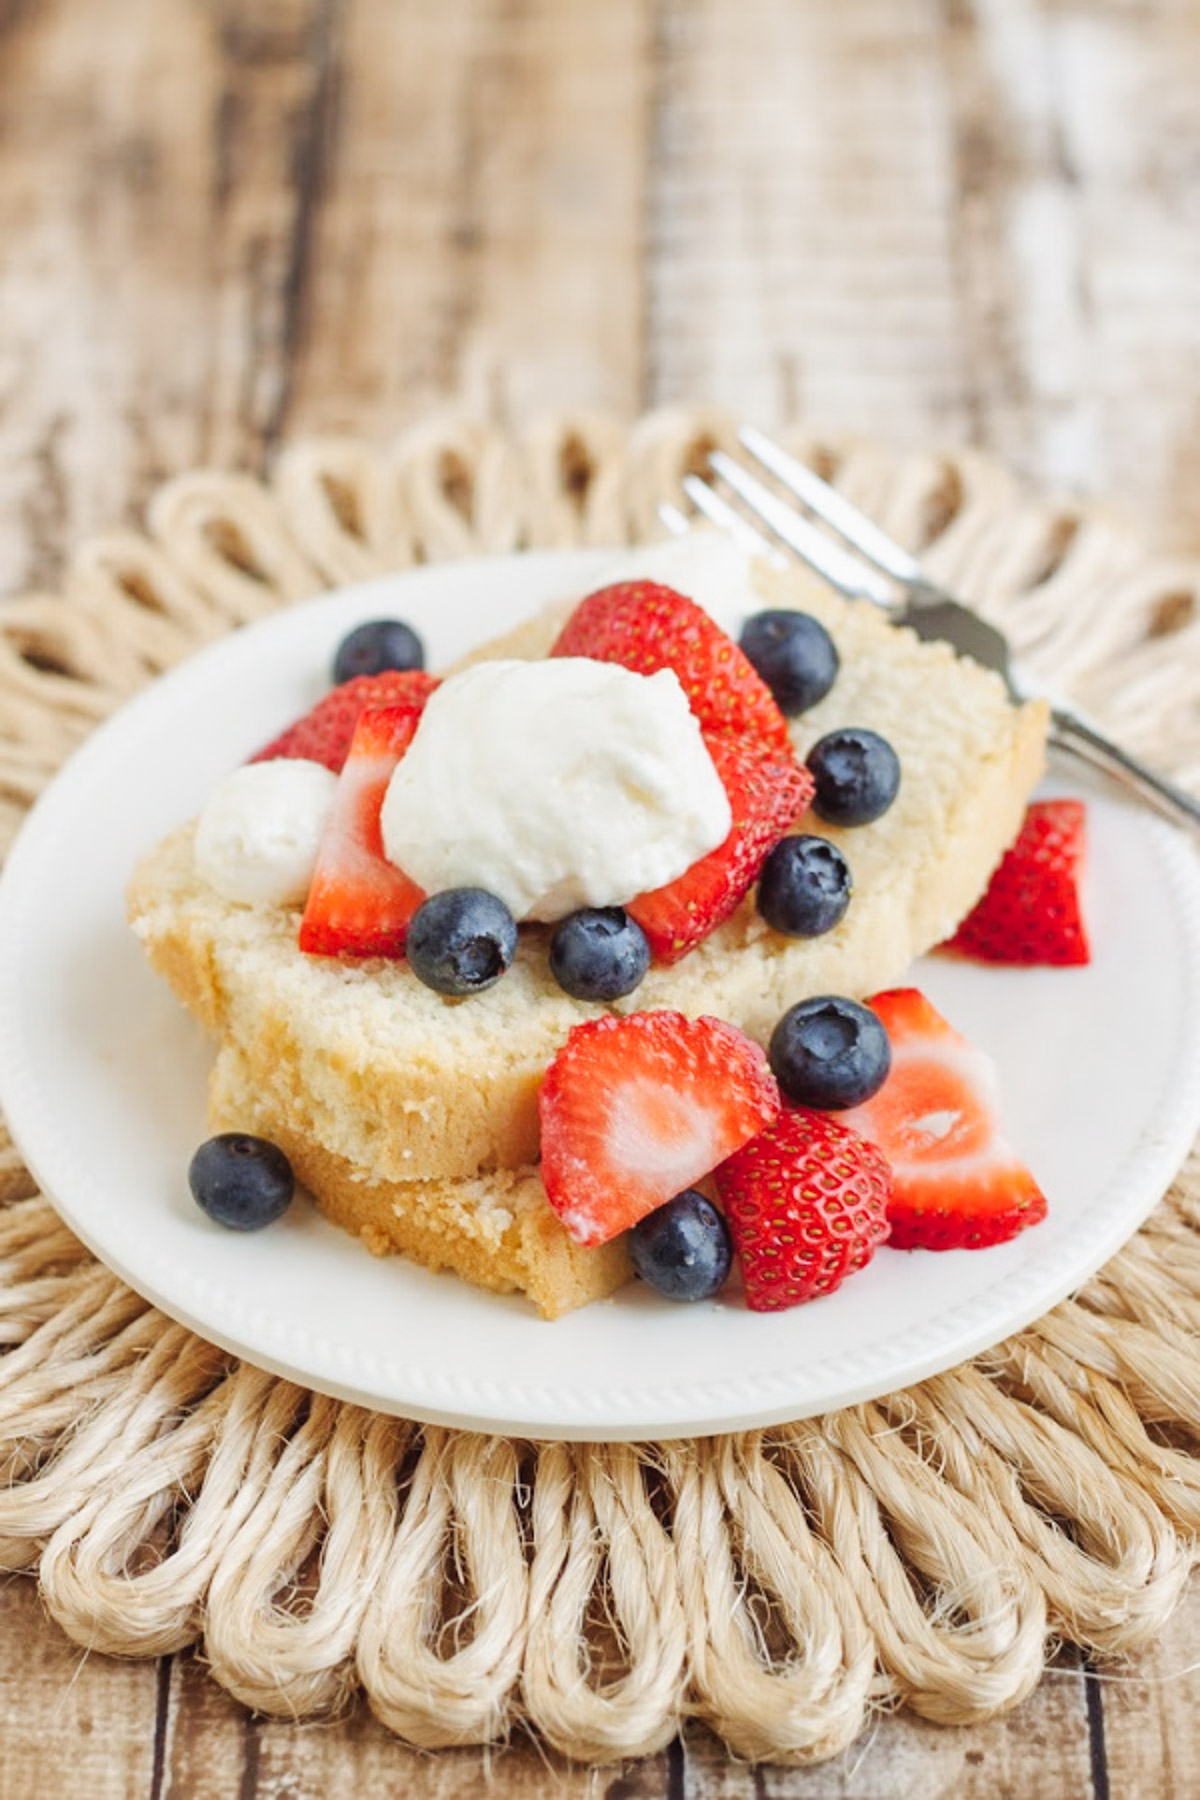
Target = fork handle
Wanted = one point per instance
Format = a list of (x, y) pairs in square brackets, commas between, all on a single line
[(1071, 733)]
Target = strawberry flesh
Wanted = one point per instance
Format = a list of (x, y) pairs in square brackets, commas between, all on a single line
[(956, 1184), (767, 793), (360, 904), (1031, 911), (645, 627), (807, 1205), (324, 733), (634, 1109)]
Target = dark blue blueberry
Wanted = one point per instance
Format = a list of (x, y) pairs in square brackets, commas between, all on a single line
[(599, 953), (377, 645), (804, 887), (461, 940), (857, 775), (241, 1181), (682, 1249), (829, 1053), (795, 656)]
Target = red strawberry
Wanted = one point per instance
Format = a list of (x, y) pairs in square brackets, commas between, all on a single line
[(646, 627), (1031, 911), (956, 1184), (635, 1109), (324, 733), (806, 1202), (360, 904), (766, 794)]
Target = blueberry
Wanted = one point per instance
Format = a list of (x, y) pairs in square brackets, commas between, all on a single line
[(795, 656), (804, 887), (857, 775), (461, 940), (241, 1181), (599, 953), (829, 1053), (375, 646), (682, 1249)]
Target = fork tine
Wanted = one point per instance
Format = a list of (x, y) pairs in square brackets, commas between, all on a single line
[(676, 522), (830, 506), (718, 511), (846, 572)]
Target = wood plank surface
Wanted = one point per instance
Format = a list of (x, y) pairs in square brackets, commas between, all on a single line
[(224, 226)]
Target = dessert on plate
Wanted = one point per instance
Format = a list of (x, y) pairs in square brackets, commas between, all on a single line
[(564, 772)]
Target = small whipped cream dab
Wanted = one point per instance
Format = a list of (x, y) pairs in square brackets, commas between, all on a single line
[(256, 839), (554, 785), (706, 566)]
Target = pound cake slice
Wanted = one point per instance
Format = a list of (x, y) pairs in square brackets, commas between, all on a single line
[(414, 1120), (496, 1230)]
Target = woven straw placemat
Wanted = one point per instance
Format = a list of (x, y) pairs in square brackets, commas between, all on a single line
[(926, 1549)]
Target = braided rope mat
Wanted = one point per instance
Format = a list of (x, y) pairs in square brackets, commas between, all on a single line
[(924, 1550)]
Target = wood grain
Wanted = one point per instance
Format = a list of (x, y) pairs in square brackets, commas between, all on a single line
[(70, 1723), (223, 226)]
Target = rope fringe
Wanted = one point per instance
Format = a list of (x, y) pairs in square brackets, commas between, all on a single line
[(927, 1549)]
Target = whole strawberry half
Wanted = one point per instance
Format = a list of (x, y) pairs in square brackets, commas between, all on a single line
[(767, 793), (635, 1109), (1031, 911), (645, 627), (359, 904), (956, 1184), (806, 1203), (323, 734)]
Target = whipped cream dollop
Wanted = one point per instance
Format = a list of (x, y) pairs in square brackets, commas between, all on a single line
[(256, 839), (554, 785)]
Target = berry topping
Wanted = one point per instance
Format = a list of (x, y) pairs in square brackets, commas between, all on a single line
[(635, 1109), (461, 941), (956, 1183), (359, 904), (324, 733), (599, 953), (857, 775), (1031, 912), (829, 1052), (646, 627), (682, 1249), (376, 645), (242, 1182), (806, 1203), (795, 656), (766, 795), (804, 886)]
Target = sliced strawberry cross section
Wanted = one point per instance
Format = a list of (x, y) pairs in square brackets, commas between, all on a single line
[(806, 1203), (767, 793), (1032, 911), (359, 904), (956, 1184), (323, 734), (635, 1109), (645, 627)]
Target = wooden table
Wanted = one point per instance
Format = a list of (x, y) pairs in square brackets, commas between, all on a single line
[(224, 225)]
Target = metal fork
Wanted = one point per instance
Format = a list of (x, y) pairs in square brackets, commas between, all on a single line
[(880, 570)]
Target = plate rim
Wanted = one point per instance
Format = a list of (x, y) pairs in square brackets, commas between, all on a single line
[(444, 1401)]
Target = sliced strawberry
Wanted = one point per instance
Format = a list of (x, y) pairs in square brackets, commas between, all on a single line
[(360, 904), (766, 794), (324, 733), (1031, 912), (956, 1184), (646, 627), (635, 1109), (806, 1203)]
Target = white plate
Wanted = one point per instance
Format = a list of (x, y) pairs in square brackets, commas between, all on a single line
[(102, 1079)]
